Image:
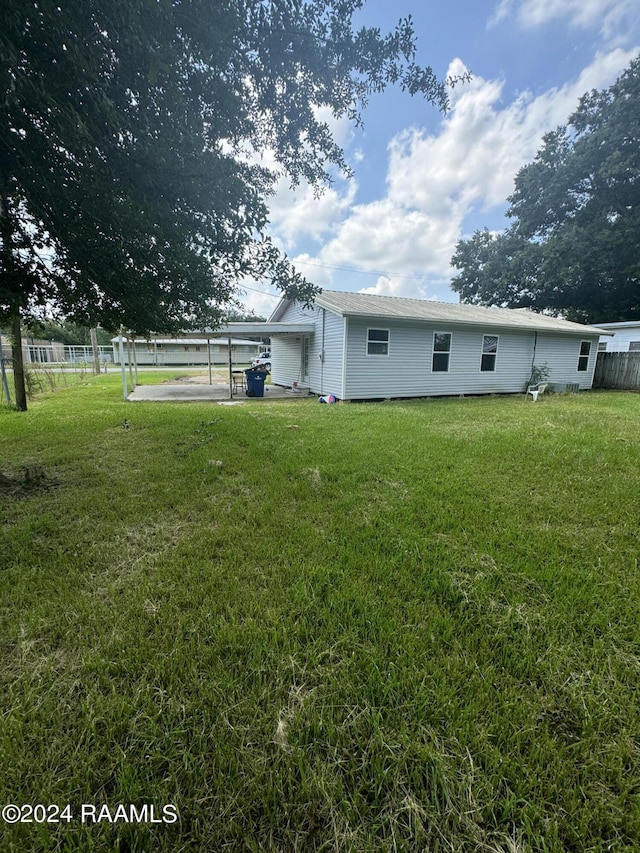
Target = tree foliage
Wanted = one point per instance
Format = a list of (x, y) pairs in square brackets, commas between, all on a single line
[(65, 332), (574, 246), (130, 188)]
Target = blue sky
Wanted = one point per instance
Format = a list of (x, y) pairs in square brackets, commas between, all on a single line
[(423, 180)]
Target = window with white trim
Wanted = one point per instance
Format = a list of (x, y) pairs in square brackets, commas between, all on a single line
[(377, 341), (583, 358), (441, 352), (489, 353)]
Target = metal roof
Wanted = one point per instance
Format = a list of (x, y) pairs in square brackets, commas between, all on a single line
[(401, 308), (627, 324), (264, 329), (258, 328), (192, 341)]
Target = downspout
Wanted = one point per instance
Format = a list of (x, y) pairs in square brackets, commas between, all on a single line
[(533, 357), (322, 390), (345, 330)]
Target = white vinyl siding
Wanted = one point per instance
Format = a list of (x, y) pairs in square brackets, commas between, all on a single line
[(406, 371), (324, 368), (560, 353), (347, 371), (625, 339)]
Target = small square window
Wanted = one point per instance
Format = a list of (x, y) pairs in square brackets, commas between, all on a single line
[(583, 358), (441, 352), (634, 346), (489, 353), (378, 342)]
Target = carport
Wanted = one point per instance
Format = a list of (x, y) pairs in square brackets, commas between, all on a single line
[(231, 330)]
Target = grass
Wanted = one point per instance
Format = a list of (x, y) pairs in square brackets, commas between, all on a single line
[(403, 626)]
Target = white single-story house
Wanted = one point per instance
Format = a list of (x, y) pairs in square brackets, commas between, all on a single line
[(376, 347), (188, 351), (622, 337)]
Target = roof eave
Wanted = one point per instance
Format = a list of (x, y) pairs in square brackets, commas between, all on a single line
[(463, 323)]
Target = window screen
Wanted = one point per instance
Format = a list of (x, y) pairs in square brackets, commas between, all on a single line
[(583, 358), (489, 353), (378, 342)]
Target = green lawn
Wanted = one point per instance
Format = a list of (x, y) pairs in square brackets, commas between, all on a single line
[(408, 626)]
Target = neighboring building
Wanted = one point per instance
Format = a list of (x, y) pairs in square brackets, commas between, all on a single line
[(378, 347), (624, 337), (35, 351), (189, 352)]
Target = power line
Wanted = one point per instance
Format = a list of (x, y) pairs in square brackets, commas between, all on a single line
[(340, 269)]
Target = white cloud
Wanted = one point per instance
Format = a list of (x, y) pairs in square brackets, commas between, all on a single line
[(390, 235), (614, 19), (434, 181), (304, 213), (397, 286)]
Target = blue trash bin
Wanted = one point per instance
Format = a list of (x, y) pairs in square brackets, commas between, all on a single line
[(255, 382)]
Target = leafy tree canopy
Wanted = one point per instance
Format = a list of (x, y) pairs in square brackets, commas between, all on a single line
[(131, 189), (239, 315), (66, 332), (574, 246)]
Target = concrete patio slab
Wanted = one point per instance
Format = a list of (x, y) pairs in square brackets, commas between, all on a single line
[(193, 392)]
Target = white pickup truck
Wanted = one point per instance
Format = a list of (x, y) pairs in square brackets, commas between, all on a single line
[(264, 359)]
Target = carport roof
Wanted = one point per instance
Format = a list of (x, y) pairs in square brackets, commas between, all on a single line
[(258, 329), (262, 329)]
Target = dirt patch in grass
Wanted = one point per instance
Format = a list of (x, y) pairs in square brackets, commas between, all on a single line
[(32, 479)]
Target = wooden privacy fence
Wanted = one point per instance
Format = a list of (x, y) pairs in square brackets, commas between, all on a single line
[(617, 370)]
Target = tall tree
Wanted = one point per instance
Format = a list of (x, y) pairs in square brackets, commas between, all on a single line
[(131, 190), (574, 247)]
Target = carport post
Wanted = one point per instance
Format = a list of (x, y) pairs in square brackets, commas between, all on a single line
[(96, 352), (130, 360), (135, 362), (125, 390), (209, 358), (5, 384), (230, 369)]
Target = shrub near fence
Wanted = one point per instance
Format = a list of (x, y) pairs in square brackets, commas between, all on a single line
[(617, 370)]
